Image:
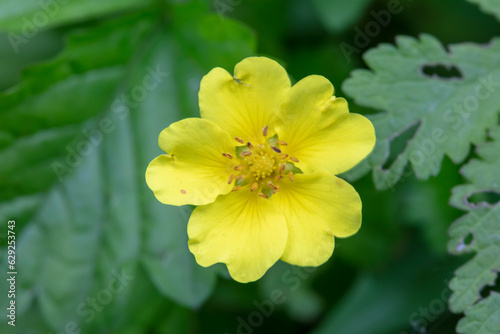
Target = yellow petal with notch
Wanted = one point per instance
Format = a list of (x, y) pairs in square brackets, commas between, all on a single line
[(317, 208), (320, 131), (242, 105), (194, 170)]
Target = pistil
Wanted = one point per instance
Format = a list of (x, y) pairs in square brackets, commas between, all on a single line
[(262, 164)]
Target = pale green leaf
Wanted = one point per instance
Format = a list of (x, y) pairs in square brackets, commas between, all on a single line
[(489, 6), (482, 318), (449, 113), (478, 231)]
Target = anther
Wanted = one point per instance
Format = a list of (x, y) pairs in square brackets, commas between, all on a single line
[(236, 188), (264, 130), (254, 186), (231, 178), (276, 190), (282, 168), (245, 153), (275, 149), (239, 140), (263, 195), (283, 156), (294, 159), (270, 184), (239, 177), (227, 155), (281, 142), (250, 146), (277, 177), (239, 167), (290, 176)]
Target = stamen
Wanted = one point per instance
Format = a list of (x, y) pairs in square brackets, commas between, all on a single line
[(254, 186), (270, 184), (290, 176), (245, 153), (282, 168), (275, 149), (231, 178), (264, 130), (239, 140), (183, 191), (281, 142), (263, 195), (250, 146), (239, 168), (227, 155), (236, 188), (276, 190), (283, 156), (277, 177), (239, 177), (294, 159)]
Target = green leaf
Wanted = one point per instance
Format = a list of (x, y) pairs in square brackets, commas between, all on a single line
[(450, 96), (49, 113), (339, 15), (488, 6), (482, 318), (404, 295), (101, 221), (29, 17), (478, 231)]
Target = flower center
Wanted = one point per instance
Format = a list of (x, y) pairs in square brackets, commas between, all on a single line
[(262, 166), (261, 163)]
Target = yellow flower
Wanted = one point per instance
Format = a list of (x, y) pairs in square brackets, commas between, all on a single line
[(260, 166)]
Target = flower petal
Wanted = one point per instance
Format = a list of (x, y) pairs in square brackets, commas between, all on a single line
[(240, 229), (319, 129), (317, 208), (194, 171), (243, 105)]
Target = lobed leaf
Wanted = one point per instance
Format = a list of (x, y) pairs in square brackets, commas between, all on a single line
[(482, 318), (489, 6), (449, 96), (479, 232)]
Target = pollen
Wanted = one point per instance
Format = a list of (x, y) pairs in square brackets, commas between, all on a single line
[(262, 165)]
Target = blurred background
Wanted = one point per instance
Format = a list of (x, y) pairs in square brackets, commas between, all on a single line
[(87, 86)]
